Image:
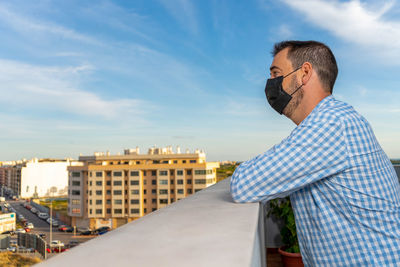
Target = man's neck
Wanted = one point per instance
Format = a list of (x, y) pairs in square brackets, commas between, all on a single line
[(306, 107)]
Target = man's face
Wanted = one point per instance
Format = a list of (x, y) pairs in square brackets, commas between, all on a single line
[(282, 66)]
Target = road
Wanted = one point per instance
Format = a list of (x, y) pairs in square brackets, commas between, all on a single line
[(41, 226)]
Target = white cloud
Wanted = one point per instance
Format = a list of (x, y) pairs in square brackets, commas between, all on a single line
[(28, 25), (57, 89), (184, 12), (354, 22)]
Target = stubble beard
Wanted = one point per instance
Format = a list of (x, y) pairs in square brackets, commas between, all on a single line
[(296, 98)]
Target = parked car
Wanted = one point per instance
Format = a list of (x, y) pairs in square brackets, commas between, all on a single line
[(53, 222), (72, 243), (27, 229), (101, 230), (56, 243), (64, 228), (33, 210), (12, 249), (29, 207), (21, 217), (85, 231), (43, 215), (59, 249), (30, 225), (69, 229), (20, 230), (8, 233)]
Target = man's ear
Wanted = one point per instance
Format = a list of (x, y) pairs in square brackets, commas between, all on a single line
[(307, 70)]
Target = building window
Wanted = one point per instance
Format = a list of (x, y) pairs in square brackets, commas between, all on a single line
[(108, 211), (99, 202), (90, 211), (172, 200), (134, 173), (189, 181), (175, 161), (99, 192), (163, 201), (163, 191), (163, 182), (144, 173), (200, 172), (99, 174), (171, 172), (153, 209), (179, 181), (108, 192), (197, 190), (137, 162), (117, 183), (156, 162), (75, 211), (144, 210), (165, 161), (118, 201), (76, 192), (180, 172), (134, 210), (144, 192), (76, 174), (99, 211), (76, 183), (117, 192), (134, 201), (135, 192), (76, 202), (200, 181), (153, 182), (183, 161), (108, 183), (163, 173), (134, 182), (189, 172), (192, 161), (108, 201), (189, 191), (90, 183), (153, 191), (99, 183), (118, 211), (117, 174), (153, 173), (172, 191), (144, 201), (180, 191), (144, 182)]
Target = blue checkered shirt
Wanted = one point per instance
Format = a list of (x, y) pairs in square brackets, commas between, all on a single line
[(344, 191)]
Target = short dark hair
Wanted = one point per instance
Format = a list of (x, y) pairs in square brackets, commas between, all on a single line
[(318, 54)]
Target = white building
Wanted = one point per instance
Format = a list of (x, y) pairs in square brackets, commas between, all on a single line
[(40, 178)]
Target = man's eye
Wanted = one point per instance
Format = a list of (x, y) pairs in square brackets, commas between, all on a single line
[(275, 74)]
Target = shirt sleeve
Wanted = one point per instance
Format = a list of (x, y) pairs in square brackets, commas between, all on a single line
[(312, 152)]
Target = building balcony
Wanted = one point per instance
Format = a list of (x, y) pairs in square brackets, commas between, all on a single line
[(205, 229)]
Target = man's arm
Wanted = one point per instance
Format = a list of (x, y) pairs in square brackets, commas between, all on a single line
[(310, 153)]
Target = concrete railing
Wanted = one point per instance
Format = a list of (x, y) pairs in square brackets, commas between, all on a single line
[(205, 229)]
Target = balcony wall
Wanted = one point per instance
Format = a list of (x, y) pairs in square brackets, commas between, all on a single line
[(205, 229)]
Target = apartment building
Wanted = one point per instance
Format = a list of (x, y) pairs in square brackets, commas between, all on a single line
[(111, 190)]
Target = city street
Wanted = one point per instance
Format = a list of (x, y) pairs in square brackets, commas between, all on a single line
[(41, 226)]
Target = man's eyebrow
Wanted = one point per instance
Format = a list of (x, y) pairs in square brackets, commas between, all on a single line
[(274, 67)]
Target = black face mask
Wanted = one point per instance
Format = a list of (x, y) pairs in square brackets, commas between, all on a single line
[(276, 96)]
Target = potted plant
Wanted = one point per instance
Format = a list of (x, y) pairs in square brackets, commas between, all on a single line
[(290, 251)]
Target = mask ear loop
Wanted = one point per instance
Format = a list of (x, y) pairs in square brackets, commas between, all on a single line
[(296, 90)]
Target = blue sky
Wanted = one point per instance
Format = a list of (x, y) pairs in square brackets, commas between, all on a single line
[(85, 76)]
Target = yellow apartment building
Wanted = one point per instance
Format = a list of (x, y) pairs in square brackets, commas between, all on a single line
[(111, 190)]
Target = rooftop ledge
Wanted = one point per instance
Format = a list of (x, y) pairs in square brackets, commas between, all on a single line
[(205, 229)]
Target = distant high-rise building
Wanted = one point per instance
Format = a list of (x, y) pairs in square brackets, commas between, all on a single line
[(115, 189)]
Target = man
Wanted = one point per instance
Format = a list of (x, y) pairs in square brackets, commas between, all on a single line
[(343, 188)]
